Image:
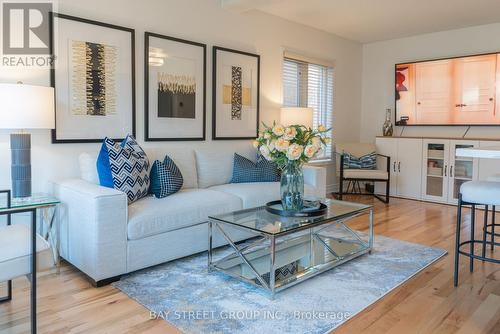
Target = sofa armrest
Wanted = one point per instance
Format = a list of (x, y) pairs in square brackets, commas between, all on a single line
[(316, 178), (93, 221)]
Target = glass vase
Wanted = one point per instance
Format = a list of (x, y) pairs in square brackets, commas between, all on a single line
[(292, 187)]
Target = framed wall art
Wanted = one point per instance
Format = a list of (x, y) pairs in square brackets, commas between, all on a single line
[(235, 100), (174, 88), (94, 80)]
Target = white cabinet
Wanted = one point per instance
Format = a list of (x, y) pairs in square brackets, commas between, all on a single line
[(406, 165), (409, 170), (443, 172)]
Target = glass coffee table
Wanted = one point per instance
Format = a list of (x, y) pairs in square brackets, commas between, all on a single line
[(288, 250)]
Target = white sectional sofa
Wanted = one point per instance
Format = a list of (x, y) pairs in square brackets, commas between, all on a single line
[(104, 237)]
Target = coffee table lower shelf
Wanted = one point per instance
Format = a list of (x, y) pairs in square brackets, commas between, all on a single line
[(274, 263)]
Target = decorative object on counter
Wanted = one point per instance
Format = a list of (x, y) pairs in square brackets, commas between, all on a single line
[(24, 107), (94, 78), (387, 128), (291, 147), (175, 86), (235, 99)]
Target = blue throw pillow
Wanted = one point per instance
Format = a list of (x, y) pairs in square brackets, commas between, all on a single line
[(245, 170), (166, 178), (124, 167), (367, 161)]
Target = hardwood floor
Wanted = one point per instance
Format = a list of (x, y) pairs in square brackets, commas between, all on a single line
[(428, 303)]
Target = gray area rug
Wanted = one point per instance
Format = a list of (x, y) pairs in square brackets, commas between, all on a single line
[(185, 294)]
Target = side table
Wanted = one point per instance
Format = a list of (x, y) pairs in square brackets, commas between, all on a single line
[(45, 207)]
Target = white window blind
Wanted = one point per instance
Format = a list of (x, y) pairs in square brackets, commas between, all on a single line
[(310, 85)]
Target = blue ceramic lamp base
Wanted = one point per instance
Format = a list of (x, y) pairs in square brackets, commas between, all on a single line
[(20, 146)]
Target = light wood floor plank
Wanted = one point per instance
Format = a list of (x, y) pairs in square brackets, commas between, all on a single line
[(428, 303)]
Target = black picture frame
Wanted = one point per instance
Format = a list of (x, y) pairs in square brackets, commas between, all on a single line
[(53, 16), (147, 35), (215, 49)]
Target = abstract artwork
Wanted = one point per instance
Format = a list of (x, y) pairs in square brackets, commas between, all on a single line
[(175, 75), (235, 94), (176, 96), (94, 80)]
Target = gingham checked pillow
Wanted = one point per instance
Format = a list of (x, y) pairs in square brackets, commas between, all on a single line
[(245, 170), (166, 178)]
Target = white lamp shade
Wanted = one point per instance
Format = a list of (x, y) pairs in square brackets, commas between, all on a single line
[(26, 107), (297, 116)]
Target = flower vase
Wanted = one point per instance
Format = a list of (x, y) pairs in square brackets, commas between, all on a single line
[(292, 187)]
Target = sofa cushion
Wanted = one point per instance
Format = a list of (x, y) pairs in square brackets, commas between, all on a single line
[(369, 174), (150, 216), (185, 160), (215, 166), (255, 193)]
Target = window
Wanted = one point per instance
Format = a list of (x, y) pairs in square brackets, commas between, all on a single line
[(310, 85)]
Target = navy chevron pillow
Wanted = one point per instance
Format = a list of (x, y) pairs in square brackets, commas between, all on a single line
[(166, 178), (128, 166), (245, 170)]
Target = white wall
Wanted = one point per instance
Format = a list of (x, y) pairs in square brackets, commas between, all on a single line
[(203, 21), (378, 75)]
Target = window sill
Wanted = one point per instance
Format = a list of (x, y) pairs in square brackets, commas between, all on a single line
[(321, 162)]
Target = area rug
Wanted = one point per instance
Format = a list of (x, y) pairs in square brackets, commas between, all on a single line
[(193, 300)]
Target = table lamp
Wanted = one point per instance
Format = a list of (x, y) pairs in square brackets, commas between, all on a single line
[(297, 116), (24, 107)]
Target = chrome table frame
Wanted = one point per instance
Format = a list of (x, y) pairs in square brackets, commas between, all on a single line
[(314, 236)]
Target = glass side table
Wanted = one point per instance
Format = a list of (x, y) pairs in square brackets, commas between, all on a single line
[(46, 207), (39, 206)]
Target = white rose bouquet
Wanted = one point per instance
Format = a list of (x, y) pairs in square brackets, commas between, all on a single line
[(295, 143)]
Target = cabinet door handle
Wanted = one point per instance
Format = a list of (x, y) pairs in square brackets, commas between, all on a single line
[(445, 168), (458, 105), (451, 171), (394, 166), (399, 166)]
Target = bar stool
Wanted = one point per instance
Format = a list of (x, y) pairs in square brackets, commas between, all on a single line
[(476, 193), (494, 178)]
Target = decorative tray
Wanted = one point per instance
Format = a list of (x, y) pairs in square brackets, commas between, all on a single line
[(309, 210)]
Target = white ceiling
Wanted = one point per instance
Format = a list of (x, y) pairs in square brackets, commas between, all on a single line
[(374, 20)]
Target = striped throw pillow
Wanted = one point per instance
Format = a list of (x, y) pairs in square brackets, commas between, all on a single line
[(367, 161)]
